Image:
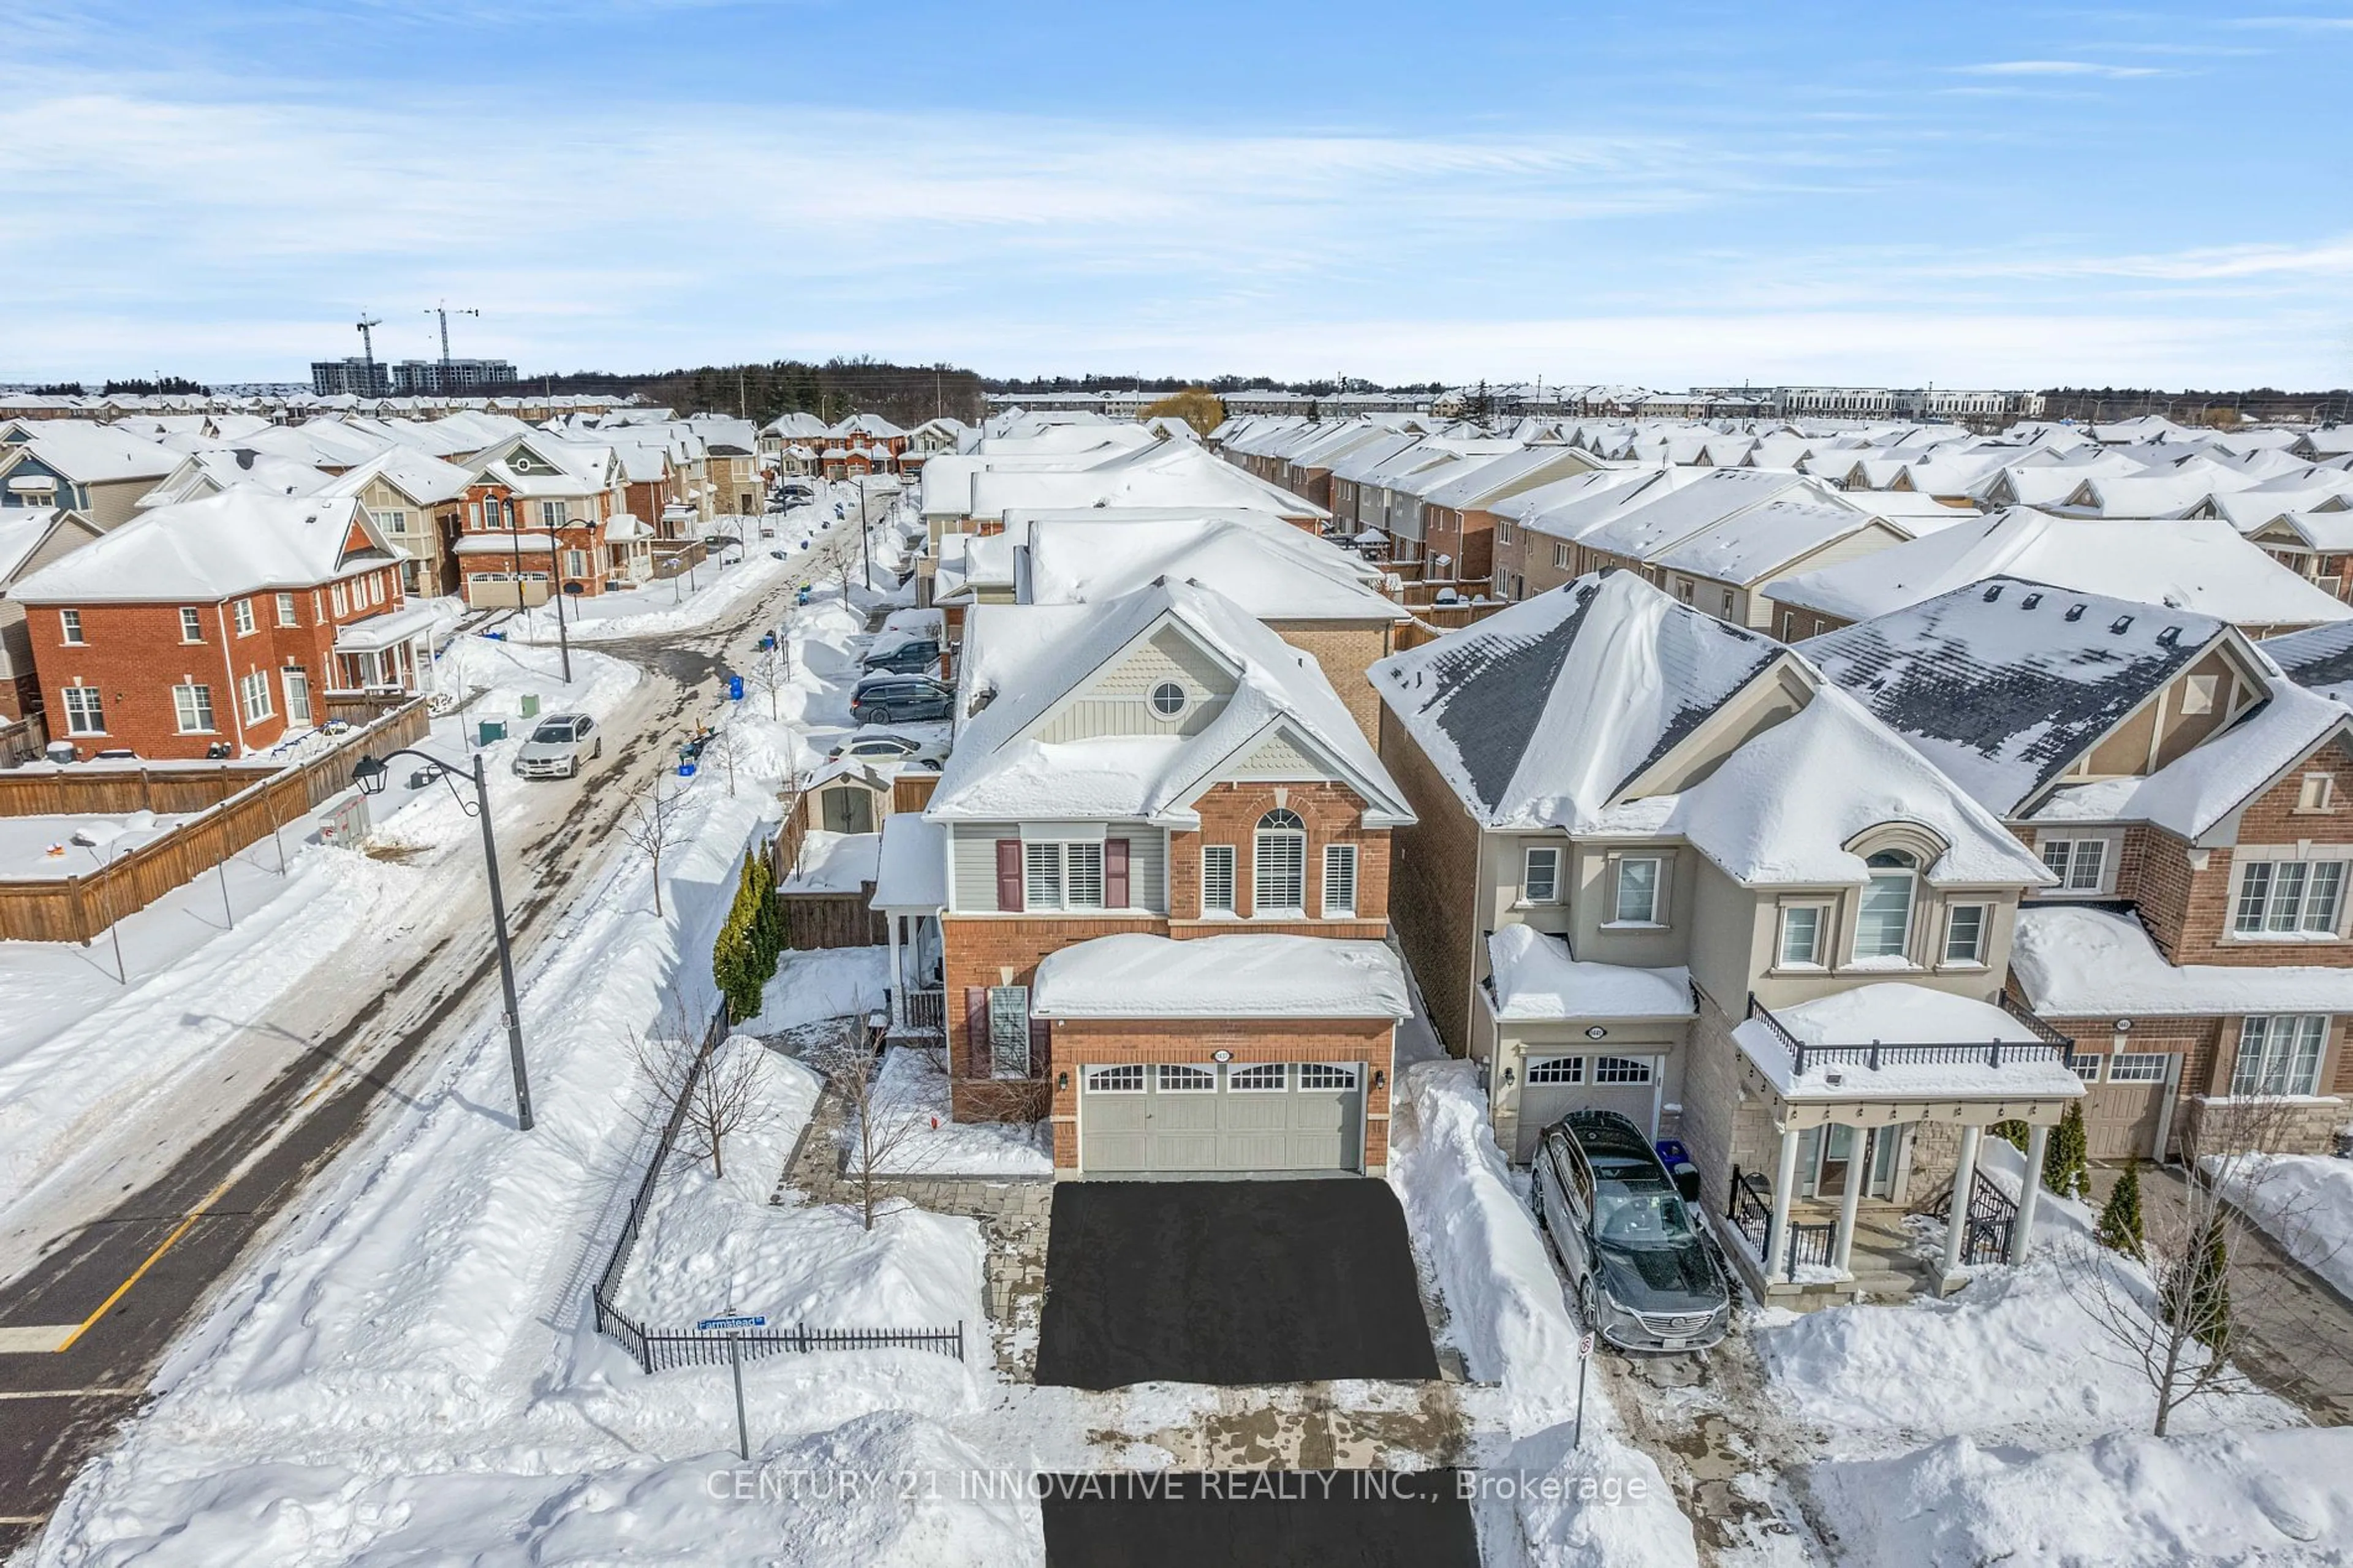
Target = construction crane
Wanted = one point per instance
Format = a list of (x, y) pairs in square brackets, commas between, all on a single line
[(444, 311), (367, 340)]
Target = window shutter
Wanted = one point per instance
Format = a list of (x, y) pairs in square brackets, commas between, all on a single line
[(1115, 874), (976, 1029), (1042, 1045), (1009, 874)]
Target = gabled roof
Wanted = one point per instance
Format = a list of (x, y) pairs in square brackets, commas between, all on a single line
[(238, 542), (1762, 540), (1020, 662), (24, 530), (1271, 576), (97, 454), (2202, 566), (2004, 683), (1539, 716), (210, 472), (422, 478), (2318, 658)]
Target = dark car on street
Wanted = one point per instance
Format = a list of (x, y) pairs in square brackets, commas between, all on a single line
[(907, 656), (901, 700), (1645, 1277)]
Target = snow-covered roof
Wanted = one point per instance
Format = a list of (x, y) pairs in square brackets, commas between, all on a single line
[(2319, 658), (379, 632), (1277, 574), (418, 475), (1893, 1013), (2080, 963), (1762, 540), (1029, 658), (2005, 683), (2197, 564), (911, 870), (24, 528), (236, 542), (97, 454), (1536, 979), (1139, 975)]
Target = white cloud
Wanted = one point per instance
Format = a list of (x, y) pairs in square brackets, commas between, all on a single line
[(2058, 67)]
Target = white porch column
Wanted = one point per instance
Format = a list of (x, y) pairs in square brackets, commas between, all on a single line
[(898, 986), (1785, 1183), (2038, 1139), (1957, 1225), (1858, 1175)]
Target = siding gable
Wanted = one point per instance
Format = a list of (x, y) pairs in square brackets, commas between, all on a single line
[(1281, 756), (1117, 699)]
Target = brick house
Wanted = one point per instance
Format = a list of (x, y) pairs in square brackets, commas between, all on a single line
[(536, 508), (2190, 800), (221, 626), (1131, 777), (1659, 866)]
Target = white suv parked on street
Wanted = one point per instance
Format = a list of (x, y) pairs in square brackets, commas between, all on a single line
[(557, 748)]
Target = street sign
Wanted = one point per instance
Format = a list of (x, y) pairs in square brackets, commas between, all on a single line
[(751, 1321), (1585, 1345)]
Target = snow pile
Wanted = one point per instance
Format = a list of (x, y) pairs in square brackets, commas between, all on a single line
[(714, 1245), (911, 1103), (2078, 963), (2303, 1201), (1507, 1316), (837, 983), (2254, 1498)]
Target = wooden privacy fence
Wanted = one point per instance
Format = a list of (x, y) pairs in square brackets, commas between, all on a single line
[(236, 805)]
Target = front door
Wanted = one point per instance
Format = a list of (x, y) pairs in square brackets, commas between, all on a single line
[(1829, 1157), (298, 698)]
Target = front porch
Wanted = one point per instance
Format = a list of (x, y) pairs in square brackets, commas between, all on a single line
[(1871, 1107)]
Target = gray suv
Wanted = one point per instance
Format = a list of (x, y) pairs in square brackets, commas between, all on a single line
[(901, 700), (1646, 1278)]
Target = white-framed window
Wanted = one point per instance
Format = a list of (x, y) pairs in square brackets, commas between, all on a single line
[(85, 711), (1279, 865), (1560, 557), (1169, 699), (576, 563), (1800, 945), (1179, 1079), (390, 521), (2198, 692), (2316, 793), (2080, 864), (1259, 1077), (192, 624), (1062, 876), (1010, 1046), (2279, 1054), (1218, 878), (341, 600), (192, 708), (2288, 898), (1556, 1069), (554, 514), (1637, 900), (243, 612), (1124, 1079), (1621, 1070), (1540, 877), (1339, 879), (1327, 1074), (1727, 603), (1789, 625), (253, 691), (1882, 924), (2137, 1067), (286, 616), (2087, 1068), (1965, 934), (70, 627)]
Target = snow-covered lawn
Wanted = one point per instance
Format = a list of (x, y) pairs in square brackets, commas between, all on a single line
[(839, 983), (1606, 1502), (911, 1104), (2304, 1202), (714, 1245), (38, 848)]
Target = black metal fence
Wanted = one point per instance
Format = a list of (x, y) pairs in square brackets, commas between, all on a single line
[(661, 1349), (1751, 1214)]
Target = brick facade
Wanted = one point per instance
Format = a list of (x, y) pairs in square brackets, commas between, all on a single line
[(136, 655), (1343, 652), (1079, 1042), (1434, 869)]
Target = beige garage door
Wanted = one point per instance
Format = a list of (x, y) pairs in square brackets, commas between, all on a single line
[(1556, 1085), (1238, 1119), (2123, 1107)]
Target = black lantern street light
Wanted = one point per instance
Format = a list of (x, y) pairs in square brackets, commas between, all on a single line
[(370, 773)]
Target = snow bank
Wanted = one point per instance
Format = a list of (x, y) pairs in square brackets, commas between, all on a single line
[(837, 982), (2303, 1201), (2259, 1498), (912, 1097), (1507, 1316)]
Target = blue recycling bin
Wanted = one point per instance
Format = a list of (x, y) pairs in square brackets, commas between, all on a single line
[(736, 688)]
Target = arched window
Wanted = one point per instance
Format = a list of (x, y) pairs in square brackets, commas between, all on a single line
[(1280, 864), (1883, 927)]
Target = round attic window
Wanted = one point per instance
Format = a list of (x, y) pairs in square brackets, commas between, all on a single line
[(1168, 700)]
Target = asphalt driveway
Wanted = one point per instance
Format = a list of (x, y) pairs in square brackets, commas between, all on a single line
[(1229, 1282), (1370, 1518)]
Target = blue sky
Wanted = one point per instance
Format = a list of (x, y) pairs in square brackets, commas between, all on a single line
[(1668, 193)]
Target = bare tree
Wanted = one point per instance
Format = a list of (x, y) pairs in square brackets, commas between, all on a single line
[(841, 556), (2174, 1315), (652, 825), (720, 1096), (721, 745), (883, 1123), (771, 674)]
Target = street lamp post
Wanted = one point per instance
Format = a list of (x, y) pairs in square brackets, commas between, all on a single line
[(555, 582), (865, 536), (370, 773)]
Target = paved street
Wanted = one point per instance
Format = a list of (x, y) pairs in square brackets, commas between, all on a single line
[(135, 1277)]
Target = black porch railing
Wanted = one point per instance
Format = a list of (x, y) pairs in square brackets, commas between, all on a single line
[(923, 1012), (1811, 1244), (2049, 1045), (1992, 1219), (1750, 1211)]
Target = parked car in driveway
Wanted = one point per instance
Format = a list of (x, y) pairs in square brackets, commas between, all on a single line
[(900, 699), (1645, 1278), (886, 746), (559, 746), (905, 656)]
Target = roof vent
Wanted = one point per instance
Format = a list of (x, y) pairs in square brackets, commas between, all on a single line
[(2121, 624), (981, 698), (2028, 601), (2168, 637), (1993, 593), (2076, 614)]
